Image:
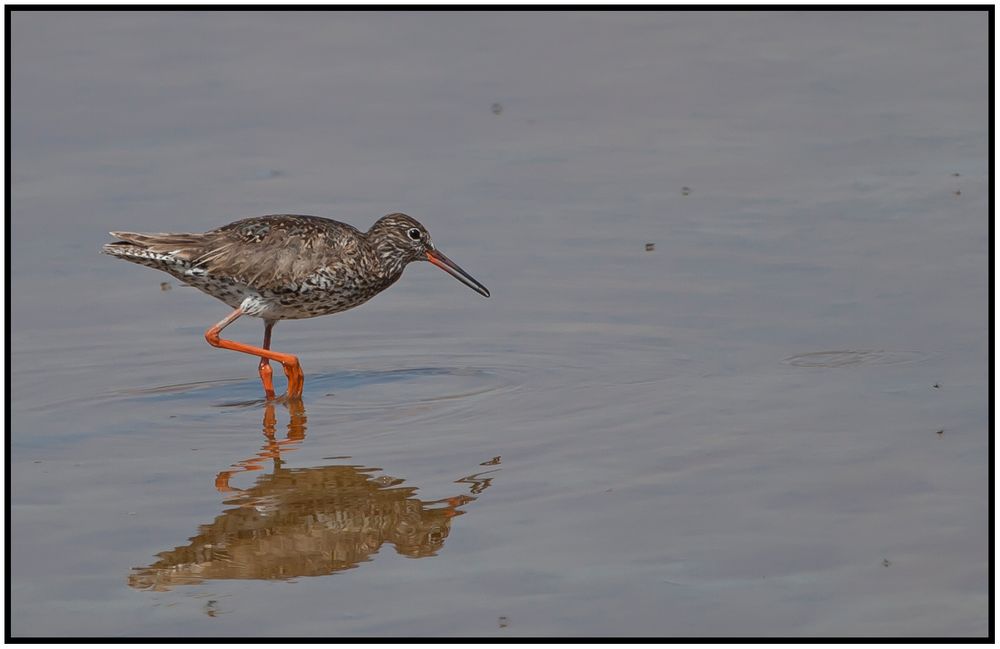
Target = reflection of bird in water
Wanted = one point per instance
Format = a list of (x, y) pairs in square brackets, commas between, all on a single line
[(286, 267), (305, 521)]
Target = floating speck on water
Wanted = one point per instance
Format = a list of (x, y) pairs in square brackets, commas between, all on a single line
[(650, 247), (685, 191), (496, 108), (958, 192), (956, 174), (269, 173), (940, 433), (937, 385), (503, 621), (130, 513), (491, 462), (165, 286), (886, 563)]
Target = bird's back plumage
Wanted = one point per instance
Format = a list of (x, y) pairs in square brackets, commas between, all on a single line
[(298, 266), (266, 251)]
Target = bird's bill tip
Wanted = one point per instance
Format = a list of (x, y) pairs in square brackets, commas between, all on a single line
[(453, 269)]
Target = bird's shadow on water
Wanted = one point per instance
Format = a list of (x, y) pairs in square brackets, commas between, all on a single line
[(307, 521)]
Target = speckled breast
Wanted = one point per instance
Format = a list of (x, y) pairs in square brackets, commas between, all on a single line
[(320, 295)]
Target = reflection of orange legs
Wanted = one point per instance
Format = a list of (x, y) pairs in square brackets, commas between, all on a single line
[(272, 447), (293, 371), (296, 419)]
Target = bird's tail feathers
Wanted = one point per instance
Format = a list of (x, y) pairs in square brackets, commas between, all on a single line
[(182, 246)]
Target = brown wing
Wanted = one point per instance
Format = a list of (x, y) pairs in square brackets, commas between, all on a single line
[(265, 252)]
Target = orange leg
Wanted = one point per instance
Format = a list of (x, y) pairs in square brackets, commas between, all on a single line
[(265, 365), (293, 371)]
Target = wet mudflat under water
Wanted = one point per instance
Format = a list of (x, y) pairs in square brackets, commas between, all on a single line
[(774, 422)]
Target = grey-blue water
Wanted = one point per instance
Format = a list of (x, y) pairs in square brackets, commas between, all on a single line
[(773, 423)]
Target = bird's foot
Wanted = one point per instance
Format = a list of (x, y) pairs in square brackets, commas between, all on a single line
[(296, 379)]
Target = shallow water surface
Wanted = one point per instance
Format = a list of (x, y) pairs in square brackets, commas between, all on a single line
[(772, 422)]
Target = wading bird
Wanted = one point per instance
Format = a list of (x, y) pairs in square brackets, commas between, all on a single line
[(287, 267)]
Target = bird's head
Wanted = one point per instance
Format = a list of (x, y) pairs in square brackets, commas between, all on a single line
[(399, 239)]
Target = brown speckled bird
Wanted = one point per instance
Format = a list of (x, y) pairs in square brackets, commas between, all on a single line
[(286, 267)]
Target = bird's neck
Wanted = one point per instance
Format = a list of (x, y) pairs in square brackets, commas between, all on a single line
[(390, 260)]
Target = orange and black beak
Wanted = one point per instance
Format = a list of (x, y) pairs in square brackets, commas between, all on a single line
[(453, 269)]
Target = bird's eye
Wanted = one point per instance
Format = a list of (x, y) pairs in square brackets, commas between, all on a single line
[(414, 234)]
